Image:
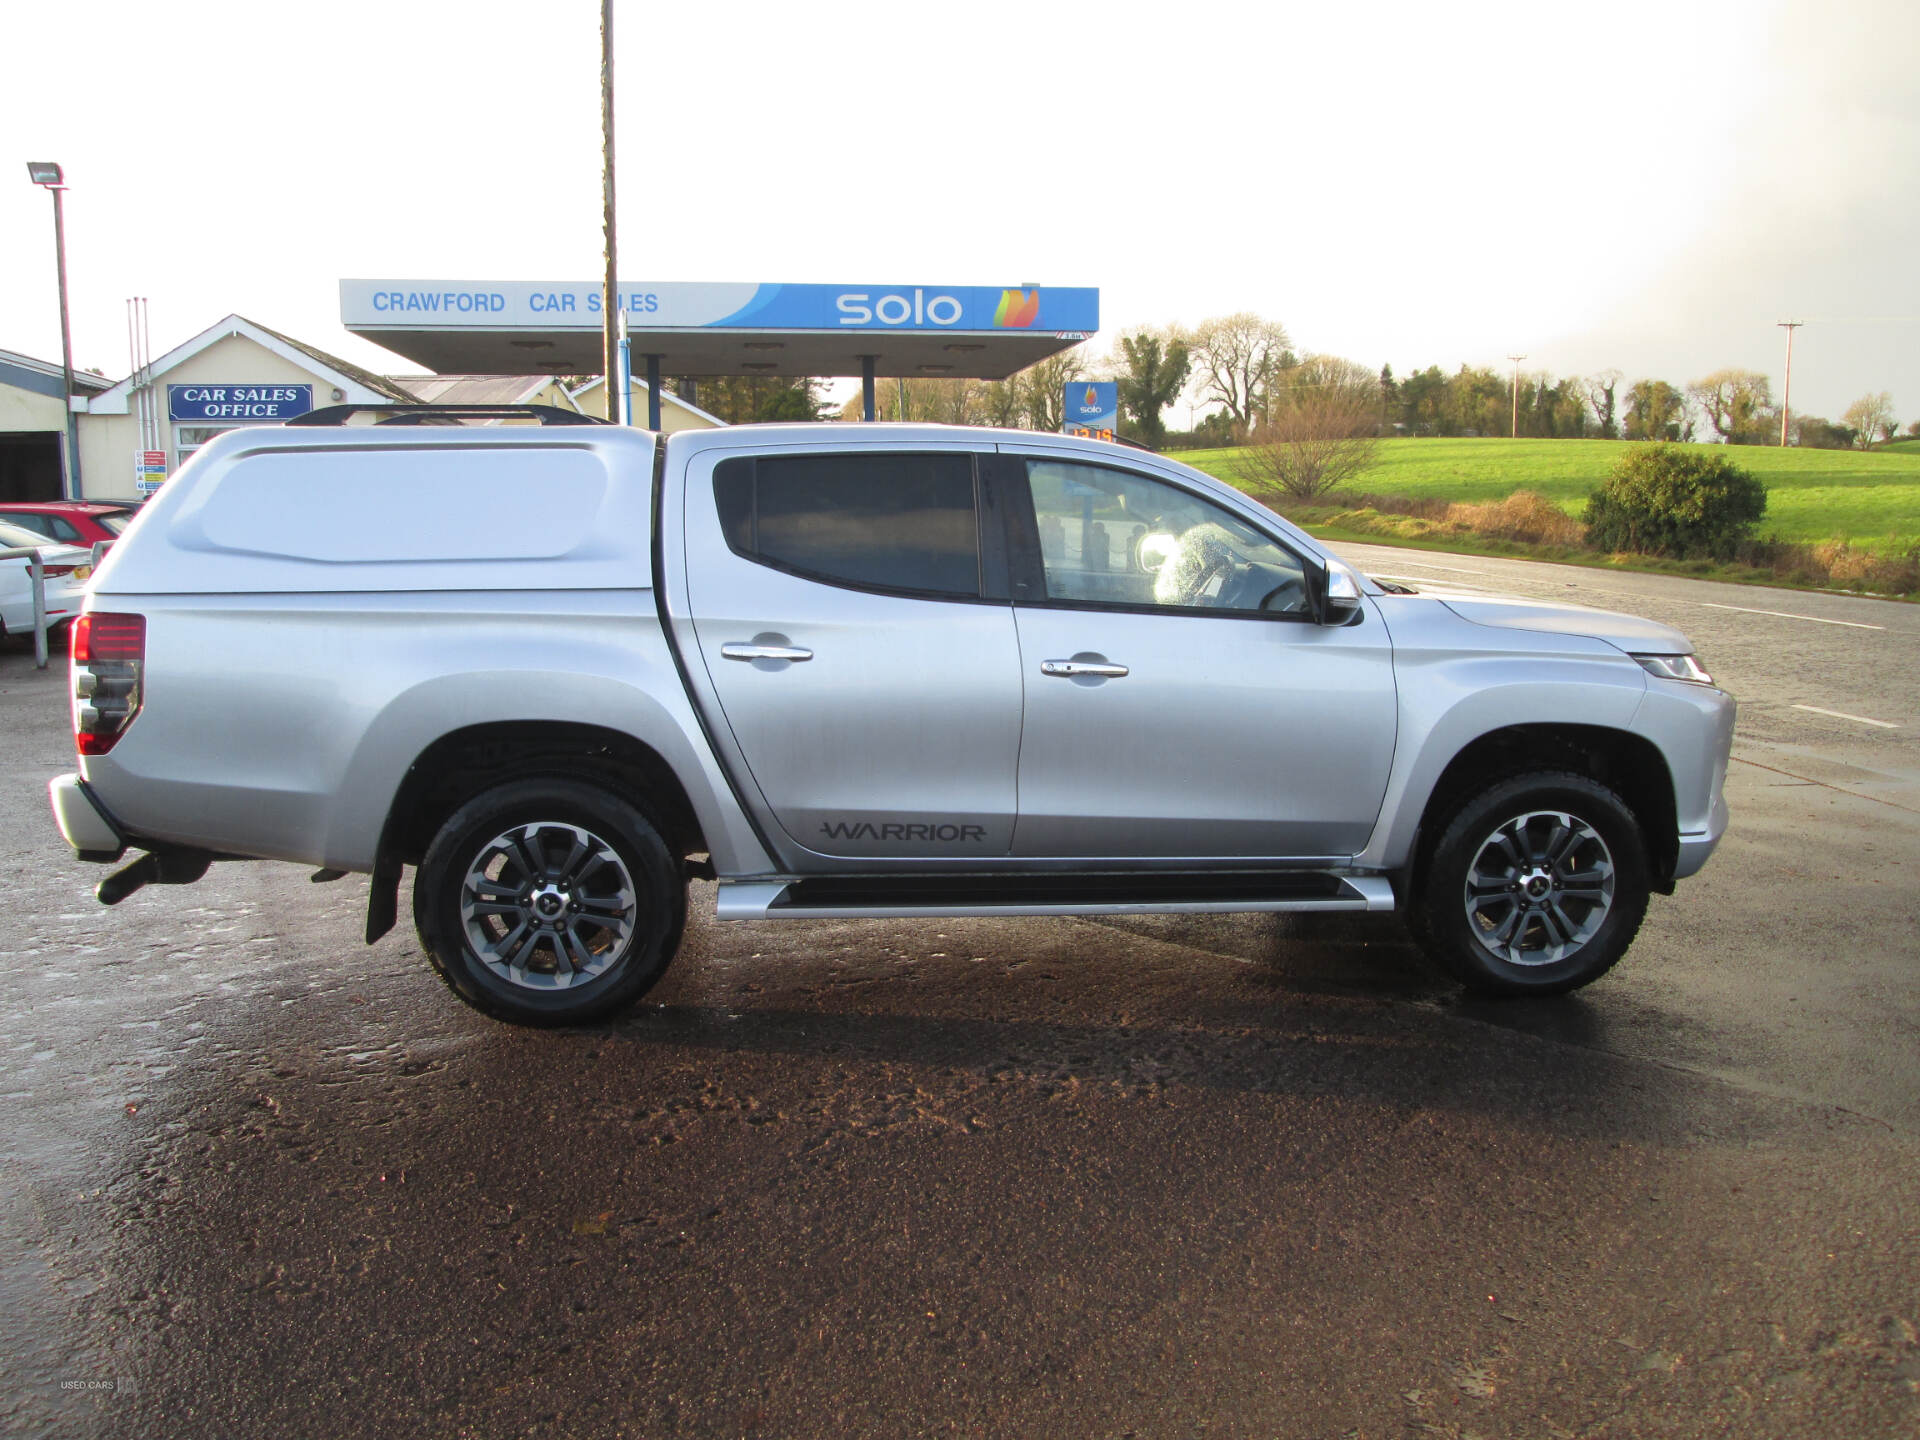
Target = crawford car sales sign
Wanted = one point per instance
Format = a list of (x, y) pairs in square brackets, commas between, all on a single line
[(238, 402)]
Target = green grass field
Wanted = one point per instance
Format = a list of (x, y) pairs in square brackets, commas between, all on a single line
[(1901, 447), (1869, 497)]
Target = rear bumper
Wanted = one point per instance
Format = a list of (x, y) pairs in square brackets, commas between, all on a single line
[(84, 821)]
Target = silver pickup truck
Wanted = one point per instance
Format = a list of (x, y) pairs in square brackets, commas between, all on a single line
[(851, 671)]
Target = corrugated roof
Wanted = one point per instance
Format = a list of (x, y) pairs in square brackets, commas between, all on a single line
[(474, 389), (377, 383), (83, 380)]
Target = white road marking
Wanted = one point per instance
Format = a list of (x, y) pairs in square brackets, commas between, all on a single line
[(1784, 615), (1450, 569), (1418, 580), (1842, 715)]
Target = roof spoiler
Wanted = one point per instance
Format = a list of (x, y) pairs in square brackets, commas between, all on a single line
[(398, 413)]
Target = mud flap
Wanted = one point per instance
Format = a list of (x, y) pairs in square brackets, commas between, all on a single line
[(383, 897)]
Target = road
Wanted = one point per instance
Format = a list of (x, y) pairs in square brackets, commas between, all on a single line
[(1242, 1176)]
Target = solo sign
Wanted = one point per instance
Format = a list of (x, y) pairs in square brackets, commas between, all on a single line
[(238, 402), (1092, 408)]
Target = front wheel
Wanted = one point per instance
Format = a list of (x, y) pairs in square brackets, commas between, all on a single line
[(548, 902), (1536, 886)]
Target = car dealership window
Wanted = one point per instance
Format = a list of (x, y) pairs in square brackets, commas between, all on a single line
[(1118, 537), (889, 522), (189, 438)]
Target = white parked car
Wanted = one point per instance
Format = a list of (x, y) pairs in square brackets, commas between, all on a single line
[(68, 567)]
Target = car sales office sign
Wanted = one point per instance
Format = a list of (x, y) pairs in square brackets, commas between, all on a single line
[(238, 403)]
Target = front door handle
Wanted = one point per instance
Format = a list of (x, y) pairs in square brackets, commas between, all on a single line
[(736, 651), (1072, 668)]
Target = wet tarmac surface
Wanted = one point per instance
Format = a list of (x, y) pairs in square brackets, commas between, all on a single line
[(1241, 1176)]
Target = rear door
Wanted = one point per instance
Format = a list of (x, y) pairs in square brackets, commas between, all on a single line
[(1180, 700), (853, 621)]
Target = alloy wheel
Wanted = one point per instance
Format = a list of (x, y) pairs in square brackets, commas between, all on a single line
[(1539, 888), (548, 905)]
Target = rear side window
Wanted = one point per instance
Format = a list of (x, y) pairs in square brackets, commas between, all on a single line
[(885, 522), (28, 520)]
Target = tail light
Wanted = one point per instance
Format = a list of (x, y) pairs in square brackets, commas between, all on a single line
[(109, 653)]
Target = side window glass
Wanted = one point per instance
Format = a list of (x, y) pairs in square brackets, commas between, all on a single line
[(32, 520), (1117, 537), (888, 522), (62, 530)]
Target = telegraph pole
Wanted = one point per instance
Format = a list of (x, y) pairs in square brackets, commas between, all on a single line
[(1516, 359), (1786, 391), (610, 294)]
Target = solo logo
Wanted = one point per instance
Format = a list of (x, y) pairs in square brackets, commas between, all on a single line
[(899, 310), (1017, 309)]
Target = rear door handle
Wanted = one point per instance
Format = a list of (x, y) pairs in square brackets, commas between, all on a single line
[(737, 651), (1071, 668)]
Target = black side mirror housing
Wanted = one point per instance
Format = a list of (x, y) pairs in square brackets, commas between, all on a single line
[(1333, 596), (1316, 582)]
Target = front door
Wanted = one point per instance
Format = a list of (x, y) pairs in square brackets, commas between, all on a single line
[(1180, 701), (857, 635)]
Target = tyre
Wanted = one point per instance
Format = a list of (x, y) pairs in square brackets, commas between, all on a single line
[(549, 902), (1536, 886)]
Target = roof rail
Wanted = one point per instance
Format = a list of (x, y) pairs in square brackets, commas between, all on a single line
[(399, 413)]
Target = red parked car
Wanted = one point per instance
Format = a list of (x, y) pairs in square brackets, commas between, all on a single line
[(70, 522)]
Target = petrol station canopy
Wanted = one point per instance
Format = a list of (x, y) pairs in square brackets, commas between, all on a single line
[(521, 327)]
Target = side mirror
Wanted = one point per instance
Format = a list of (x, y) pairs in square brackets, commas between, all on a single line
[(1333, 595)]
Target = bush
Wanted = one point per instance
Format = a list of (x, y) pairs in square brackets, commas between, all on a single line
[(1525, 515), (1681, 502)]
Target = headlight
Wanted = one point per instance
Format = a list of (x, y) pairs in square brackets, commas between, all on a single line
[(1675, 667)]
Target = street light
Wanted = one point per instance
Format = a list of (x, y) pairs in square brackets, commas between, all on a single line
[(45, 172)]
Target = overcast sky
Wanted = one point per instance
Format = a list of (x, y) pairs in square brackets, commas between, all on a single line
[(1648, 184)]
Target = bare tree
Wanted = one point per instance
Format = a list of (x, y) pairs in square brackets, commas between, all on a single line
[(1320, 430), (946, 402), (1736, 403), (1871, 417), (1235, 359), (1044, 387), (1003, 403)]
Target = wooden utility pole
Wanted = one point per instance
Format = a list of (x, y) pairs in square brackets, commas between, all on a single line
[(1786, 390), (610, 293), (1516, 359)]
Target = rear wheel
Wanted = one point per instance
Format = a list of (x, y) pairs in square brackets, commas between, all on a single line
[(548, 902), (1536, 886)]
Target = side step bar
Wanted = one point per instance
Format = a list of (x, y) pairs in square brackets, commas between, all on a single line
[(1134, 894)]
